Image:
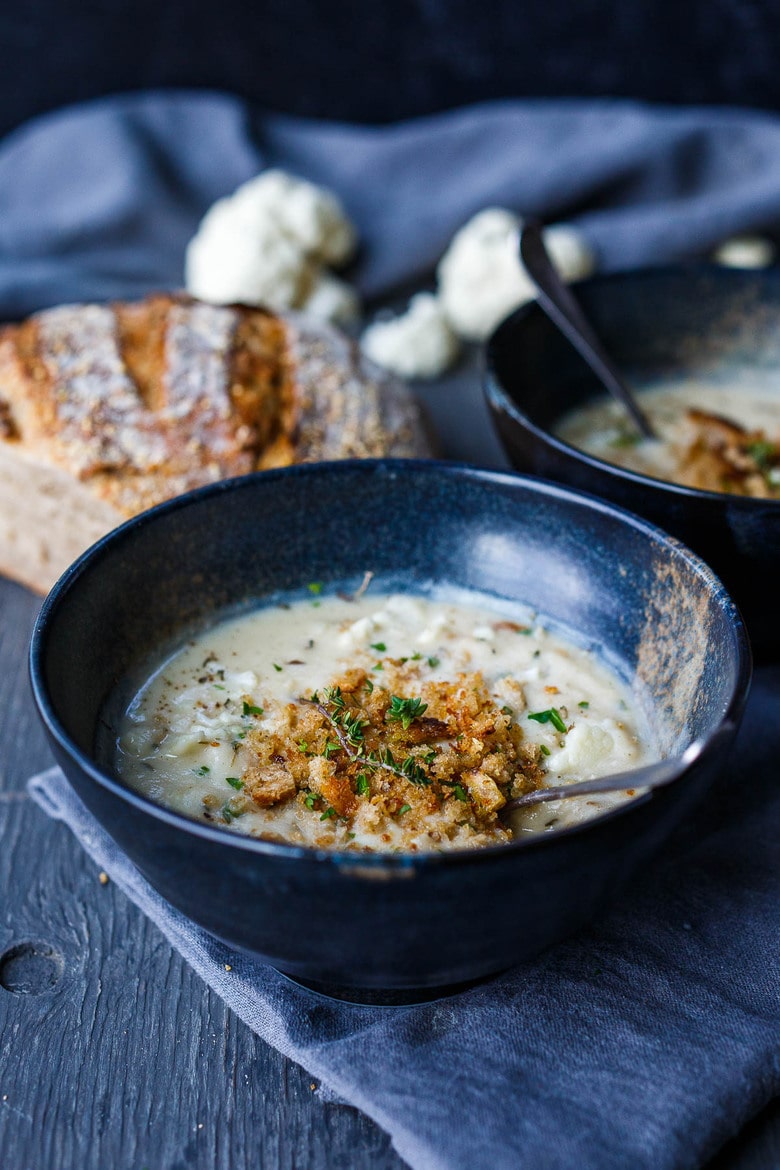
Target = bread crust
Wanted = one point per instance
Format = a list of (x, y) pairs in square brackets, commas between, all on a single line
[(106, 410)]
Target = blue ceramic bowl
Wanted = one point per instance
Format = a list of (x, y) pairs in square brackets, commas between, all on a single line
[(390, 921), (654, 322)]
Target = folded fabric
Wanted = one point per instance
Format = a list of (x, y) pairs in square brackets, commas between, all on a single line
[(649, 1039), (644, 1042), (99, 201)]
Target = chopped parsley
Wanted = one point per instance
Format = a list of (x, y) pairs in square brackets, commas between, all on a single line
[(329, 812), (235, 782), (203, 770), (276, 666), (625, 440), (379, 647), (460, 792), (249, 709), (584, 704), (551, 715), (362, 786), (433, 662), (404, 809)]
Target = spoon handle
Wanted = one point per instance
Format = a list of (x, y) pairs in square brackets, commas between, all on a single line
[(561, 306), (651, 776)]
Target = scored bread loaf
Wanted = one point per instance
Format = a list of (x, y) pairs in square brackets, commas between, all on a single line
[(106, 410)]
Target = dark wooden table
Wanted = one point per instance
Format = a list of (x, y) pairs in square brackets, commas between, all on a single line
[(113, 1054)]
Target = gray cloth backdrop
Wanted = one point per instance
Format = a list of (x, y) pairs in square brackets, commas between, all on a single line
[(646, 1041)]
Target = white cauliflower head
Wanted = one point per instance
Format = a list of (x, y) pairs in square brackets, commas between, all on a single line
[(229, 261), (265, 245), (418, 344), (311, 216), (481, 276)]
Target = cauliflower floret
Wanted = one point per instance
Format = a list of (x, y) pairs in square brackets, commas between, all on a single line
[(311, 216), (587, 748), (418, 344), (265, 244), (229, 261), (331, 299), (481, 276)]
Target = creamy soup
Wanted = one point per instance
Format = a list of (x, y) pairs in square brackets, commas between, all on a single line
[(719, 435), (386, 722)]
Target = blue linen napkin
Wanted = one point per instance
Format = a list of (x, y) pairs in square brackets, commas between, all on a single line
[(100, 200), (649, 1039)]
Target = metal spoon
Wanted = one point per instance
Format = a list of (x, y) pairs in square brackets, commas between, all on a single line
[(563, 310), (650, 776)]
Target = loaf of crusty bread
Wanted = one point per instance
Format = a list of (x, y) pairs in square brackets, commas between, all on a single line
[(108, 409)]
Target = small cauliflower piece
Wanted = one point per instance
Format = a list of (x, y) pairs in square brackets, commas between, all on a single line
[(587, 747), (481, 276), (746, 252), (331, 299), (511, 692), (569, 251), (418, 344)]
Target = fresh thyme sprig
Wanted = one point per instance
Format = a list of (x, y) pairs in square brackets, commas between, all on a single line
[(405, 711), (348, 728)]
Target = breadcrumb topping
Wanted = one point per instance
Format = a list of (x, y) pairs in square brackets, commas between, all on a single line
[(438, 758)]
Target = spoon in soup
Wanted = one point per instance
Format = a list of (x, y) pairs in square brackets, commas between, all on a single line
[(564, 311), (650, 776)]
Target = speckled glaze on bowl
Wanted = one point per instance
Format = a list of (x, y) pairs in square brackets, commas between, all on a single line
[(390, 921), (654, 322)]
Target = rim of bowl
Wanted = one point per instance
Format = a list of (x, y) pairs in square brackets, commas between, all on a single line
[(498, 397), (388, 861)]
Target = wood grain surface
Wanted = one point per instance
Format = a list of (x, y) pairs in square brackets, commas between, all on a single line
[(114, 1055)]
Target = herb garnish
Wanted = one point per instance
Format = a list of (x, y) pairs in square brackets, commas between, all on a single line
[(249, 709), (203, 770), (551, 715), (379, 646), (433, 662), (276, 666), (362, 786), (235, 782), (405, 711), (404, 808), (625, 440), (584, 704), (348, 725), (314, 587)]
